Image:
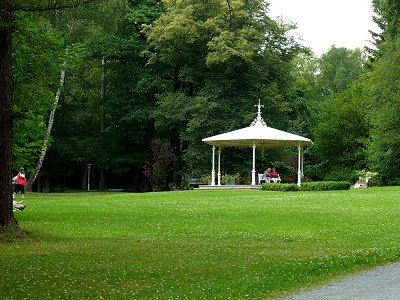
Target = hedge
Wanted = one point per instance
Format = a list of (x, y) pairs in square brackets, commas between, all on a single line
[(307, 186), (325, 185), (280, 187)]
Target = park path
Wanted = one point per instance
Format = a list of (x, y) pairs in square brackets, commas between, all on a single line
[(376, 284)]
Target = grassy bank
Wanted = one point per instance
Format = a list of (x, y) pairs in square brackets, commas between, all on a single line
[(195, 244)]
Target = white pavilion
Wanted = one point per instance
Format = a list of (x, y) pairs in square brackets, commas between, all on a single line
[(258, 134)]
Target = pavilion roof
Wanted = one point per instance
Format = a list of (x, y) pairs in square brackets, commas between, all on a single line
[(257, 133)]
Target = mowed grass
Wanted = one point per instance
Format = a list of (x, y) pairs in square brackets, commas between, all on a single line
[(220, 244)]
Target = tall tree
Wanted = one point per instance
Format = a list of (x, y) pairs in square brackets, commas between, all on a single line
[(129, 96), (8, 10), (222, 57), (342, 134), (7, 20), (339, 67), (387, 17), (385, 112), (319, 85), (37, 52), (86, 32), (45, 145), (384, 103), (306, 93)]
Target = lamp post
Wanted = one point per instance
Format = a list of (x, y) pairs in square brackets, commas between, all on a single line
[(88, 177)]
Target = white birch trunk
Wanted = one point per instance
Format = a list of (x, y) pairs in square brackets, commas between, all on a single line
[(40, 160)]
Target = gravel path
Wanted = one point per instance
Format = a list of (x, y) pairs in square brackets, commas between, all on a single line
[(376, 284)]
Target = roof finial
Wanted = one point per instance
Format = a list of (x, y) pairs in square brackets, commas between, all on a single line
[(258, 119)]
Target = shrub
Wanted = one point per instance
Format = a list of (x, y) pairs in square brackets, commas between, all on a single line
[(341, 174), (282, 187), (289, 179), (162, 156), (325, 186)]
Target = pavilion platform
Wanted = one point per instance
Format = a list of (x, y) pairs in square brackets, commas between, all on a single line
[(229, 187)]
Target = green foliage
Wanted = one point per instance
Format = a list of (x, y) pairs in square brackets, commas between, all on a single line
[(221, 57), (307, 95), (307, 186), (341, 174), (283, 187), (342, 135), (112, 131), (366, 175), (37, 61), (325, 186), (339, 68), (229, 178), (330, 105), (185, 70), (162, 158), (387, 18), (384, 149)]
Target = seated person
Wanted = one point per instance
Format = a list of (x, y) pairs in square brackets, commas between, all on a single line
[(266, 176), (275, 175)]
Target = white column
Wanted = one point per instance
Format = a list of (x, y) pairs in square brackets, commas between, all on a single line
[(253, 171), (299, 167), (219, 165), (302, 162), (213, 166)]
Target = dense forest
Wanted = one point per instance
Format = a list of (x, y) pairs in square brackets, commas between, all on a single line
[(125, 90)]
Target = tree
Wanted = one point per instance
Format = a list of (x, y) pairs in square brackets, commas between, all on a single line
[(37, 55), (7, 220), (8, 10), (45, 145), (342, 134), (306, 93), (318, 84), (222, 56), (387, 18), (122, 147), (384, 103), (339, 67), (385, 112)]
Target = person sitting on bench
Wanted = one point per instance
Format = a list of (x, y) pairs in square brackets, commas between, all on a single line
[(265, 177), (275, 176)]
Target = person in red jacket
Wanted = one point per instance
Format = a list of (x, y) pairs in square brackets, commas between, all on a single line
[(20, 183), (274, 173), (275, 176)]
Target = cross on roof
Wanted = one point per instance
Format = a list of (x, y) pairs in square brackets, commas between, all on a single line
[(259, 106), (258, 120)]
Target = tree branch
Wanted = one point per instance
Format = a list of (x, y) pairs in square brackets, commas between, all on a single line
[(231, 14), (50, 6)]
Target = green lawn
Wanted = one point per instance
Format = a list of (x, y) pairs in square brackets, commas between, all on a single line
[(195, 244)]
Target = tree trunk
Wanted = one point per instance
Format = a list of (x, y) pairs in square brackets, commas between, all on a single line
[(7, 221), (40, 160), (7, 22), (103, 182)]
